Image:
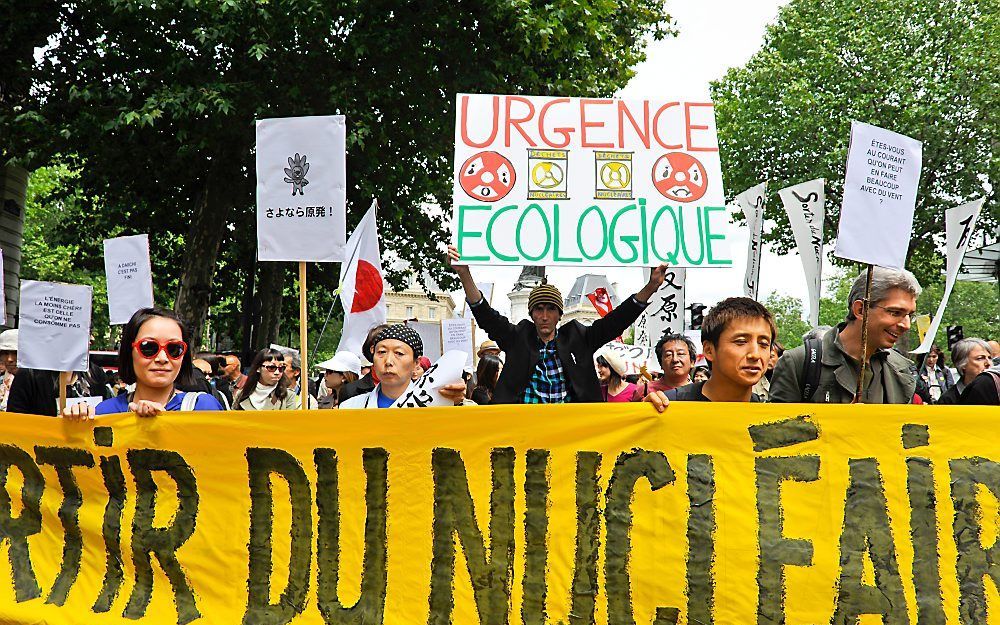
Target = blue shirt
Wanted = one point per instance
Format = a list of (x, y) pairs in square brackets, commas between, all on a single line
[(383, 401), (119, 404)]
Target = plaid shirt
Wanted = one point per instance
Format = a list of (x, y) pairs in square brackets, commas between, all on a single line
[(548, 382)]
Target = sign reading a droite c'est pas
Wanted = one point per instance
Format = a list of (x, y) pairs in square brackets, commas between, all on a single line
[(302, 189), (130, 276), (579, 181)]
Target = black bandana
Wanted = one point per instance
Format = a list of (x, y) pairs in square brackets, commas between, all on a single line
[(403, 333)]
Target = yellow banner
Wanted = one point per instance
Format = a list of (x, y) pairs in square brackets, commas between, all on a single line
[(707, 514)]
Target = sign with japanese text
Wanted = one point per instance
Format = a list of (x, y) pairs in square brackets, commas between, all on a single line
[(129, 275), (588, 182), (805, 205), (54, 323), (880, 194), (302, 188), (665, 313), (708, 513)]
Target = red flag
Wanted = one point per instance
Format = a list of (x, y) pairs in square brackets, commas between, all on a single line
[(601, 301)]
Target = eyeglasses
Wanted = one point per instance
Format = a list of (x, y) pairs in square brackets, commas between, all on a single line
[(896, 313), (149, 348), (273, 368)]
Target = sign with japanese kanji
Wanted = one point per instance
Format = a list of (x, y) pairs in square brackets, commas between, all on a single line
[(665, 313), (588, 182), (423, 392), (301, 188)]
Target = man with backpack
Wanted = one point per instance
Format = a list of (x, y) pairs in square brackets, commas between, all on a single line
[(826, 371)]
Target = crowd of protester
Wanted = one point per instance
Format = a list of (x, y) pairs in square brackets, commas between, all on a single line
[(537, 360)]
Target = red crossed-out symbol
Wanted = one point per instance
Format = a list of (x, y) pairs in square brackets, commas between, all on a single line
[(680, 177), (487, 176)]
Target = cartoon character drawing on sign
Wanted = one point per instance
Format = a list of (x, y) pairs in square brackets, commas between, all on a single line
[(296, 173)]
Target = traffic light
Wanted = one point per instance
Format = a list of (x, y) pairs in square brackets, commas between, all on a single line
[(697, 315), (955, 334)]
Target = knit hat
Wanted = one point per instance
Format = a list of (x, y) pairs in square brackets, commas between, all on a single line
[(545, 294), (402, 333)]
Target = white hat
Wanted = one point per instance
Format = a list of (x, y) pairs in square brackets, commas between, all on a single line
[(342, 361), (616, 361), (8, 341), (366, 363)]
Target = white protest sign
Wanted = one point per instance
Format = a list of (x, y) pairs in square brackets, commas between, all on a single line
[(960, 224), (423, 391), (588, 182), (635, 357), (456, 335), (695, 337), (805, 205), (665, 312), (130, 276), (302, 188), (486, 288), (880, 193), (90, 401), (751, 202), (54, 322), (430, 336)]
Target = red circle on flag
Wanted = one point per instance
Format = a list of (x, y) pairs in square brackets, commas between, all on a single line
[(367, 287)]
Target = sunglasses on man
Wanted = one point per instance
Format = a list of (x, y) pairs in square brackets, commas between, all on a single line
[(149, 348)]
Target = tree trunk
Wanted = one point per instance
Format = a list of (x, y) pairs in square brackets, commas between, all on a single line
[(208, 224), (271, 284)]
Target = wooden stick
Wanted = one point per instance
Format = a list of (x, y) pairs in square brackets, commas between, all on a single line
[(858, 396), (64, 378), (303, 338)]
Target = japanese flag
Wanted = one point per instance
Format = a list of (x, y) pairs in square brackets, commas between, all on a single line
[(362, 288)]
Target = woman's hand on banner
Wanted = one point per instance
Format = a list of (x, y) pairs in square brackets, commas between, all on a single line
[(658, 399), (79, 412), (146, 408), (656, 277)]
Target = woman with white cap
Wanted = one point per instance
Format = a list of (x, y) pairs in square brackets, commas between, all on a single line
[(8, 359), (343, 368), (611, 373)]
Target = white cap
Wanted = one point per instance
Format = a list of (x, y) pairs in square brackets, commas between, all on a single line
[(8, 341), (341, 362)]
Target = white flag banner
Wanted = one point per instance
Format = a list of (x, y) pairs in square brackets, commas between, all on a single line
[(424, 390), (54, 322), (362, 284), (665, 312), (486, 288), (805, 205), (130, 276), (880, 193), (301, 188), (456, 336), (751, 202), (960, 224)]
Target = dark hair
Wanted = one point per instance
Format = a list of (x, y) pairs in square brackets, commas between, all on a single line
[(253, 377), (615, 378), (130, 333), (367, 348), (730, 309), (777, 347), (487, 372), (215, 361), (670, 338)]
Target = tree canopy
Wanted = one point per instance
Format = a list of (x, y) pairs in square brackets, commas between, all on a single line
[(923, 68), (154, 104)]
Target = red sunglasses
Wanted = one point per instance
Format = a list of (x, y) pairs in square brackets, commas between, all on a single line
[(149, 348)]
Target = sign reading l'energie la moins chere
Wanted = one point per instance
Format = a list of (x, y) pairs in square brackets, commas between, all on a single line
[(578, 181)]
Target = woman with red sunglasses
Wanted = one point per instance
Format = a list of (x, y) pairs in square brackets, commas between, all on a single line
[(266, 387), (153, 355)]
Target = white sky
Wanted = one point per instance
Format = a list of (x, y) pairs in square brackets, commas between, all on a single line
[(713, 36)]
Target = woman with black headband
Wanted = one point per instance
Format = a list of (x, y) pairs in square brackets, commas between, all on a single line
[(155, 356), (396, 352)]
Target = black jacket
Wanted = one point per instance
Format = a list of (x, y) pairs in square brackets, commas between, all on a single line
[(575, 346), (35, 391), (359, 387)]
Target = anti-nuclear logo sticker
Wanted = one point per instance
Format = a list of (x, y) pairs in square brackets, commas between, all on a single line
[(613, 175), (548, 173), (680, 177), (487, 176)]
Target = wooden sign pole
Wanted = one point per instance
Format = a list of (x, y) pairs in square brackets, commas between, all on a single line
[(64, 378), (858, 396), (303, 339)]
